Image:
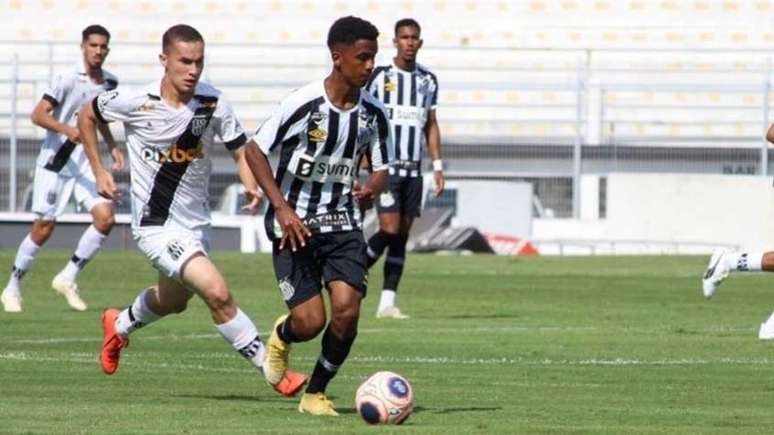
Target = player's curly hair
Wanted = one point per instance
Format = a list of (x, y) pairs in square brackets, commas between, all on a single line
[(407, 22), (180, 32), (347, 30), (94, 29)]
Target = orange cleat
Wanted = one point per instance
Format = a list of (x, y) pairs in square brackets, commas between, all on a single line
[(113, 343), (290, 384)]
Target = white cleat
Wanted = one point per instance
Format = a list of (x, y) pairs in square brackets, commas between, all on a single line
[(12, 303), (766, 331), (391, 312), (717, 270), (70, 291)]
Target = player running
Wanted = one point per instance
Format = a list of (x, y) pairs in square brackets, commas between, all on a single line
[(410, 92), (171, 126), (319, 133), (62, 171)]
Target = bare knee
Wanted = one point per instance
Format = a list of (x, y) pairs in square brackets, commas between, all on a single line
[(218, 298), (344, 320), (308, 326), (42, 231), (103, 218)]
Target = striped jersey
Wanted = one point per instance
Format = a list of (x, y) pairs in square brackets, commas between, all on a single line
[(319, 147), (66, 93), (409, 97), (169, 151)]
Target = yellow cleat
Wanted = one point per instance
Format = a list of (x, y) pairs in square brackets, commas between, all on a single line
[(316, 404), (277, 351)]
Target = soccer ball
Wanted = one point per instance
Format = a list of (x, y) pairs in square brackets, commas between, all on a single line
[(384, 398)]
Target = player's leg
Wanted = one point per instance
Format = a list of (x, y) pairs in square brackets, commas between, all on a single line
[(345, 274), (388, 212), (49, 198), (299, 279), (724, 261), (410, 204), (103, 218)]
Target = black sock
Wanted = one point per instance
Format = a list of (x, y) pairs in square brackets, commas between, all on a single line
[(334, 352), (286, 333), (393, 264), (376, 245)]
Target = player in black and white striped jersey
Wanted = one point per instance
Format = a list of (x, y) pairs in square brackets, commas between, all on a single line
[(410, 93), (320, 131)]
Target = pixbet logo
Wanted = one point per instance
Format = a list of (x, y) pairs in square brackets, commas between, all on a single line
[(174, 154)]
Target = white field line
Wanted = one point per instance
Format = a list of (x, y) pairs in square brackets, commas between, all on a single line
[(92, 358), (481, 329)]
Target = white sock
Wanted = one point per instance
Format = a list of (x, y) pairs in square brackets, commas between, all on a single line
[(241, 333), (90, 242), (25, 256), (745, 262), (136, 316), (387, 299)]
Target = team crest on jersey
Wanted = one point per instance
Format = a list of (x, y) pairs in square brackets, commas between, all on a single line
[(286, 288), (198, 124), (318, 117), (318, 135), (424, 86), (51, 197), (389, 86)]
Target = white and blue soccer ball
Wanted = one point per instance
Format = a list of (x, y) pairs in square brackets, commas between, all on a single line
[(385, 398)]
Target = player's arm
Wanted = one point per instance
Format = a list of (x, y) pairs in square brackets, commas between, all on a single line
[(433, 136), (42, 117), (87, 125), (770, 134), (293, 230), (115, 152), (248, 180)]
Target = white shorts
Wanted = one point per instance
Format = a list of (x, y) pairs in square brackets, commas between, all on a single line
[(168, 249), (52, 191)]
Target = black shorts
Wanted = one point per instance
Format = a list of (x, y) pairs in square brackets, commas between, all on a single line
[(404, 196), (339, 256)]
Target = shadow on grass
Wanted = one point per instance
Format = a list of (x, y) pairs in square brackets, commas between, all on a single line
[(474, 316), (420, 409), (233, 397)]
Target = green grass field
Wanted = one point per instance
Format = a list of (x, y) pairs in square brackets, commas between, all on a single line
[(495, 345)]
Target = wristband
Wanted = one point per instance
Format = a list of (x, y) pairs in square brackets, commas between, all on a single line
[(438, 165)]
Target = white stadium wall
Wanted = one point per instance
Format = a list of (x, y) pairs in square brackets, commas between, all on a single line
[(669, 213)]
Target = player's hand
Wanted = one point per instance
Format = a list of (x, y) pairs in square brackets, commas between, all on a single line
[(73, 134), (254, 198), (294, 232), (106, 186), (440, 182), (118, 159), (365, 195)]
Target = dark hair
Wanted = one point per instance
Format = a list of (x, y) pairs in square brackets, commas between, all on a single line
[(180, 32), (94, 29), (347, 30), (407, 22)]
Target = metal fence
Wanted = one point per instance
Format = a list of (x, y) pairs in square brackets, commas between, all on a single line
[(544, 116)]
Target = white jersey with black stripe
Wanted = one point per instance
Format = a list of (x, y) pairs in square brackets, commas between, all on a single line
[(409, 96), (319, 147), (67, 93), (169, 151)]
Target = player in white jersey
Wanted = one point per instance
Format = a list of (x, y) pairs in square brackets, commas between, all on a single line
[(171, 127), (62, 171), (410, 92), (319, 132), (725, 261)]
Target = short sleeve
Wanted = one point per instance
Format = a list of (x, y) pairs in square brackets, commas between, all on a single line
[(228, 127), (434, 99), (58, 90), (284, 123), (114, 106), (382, 148)]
